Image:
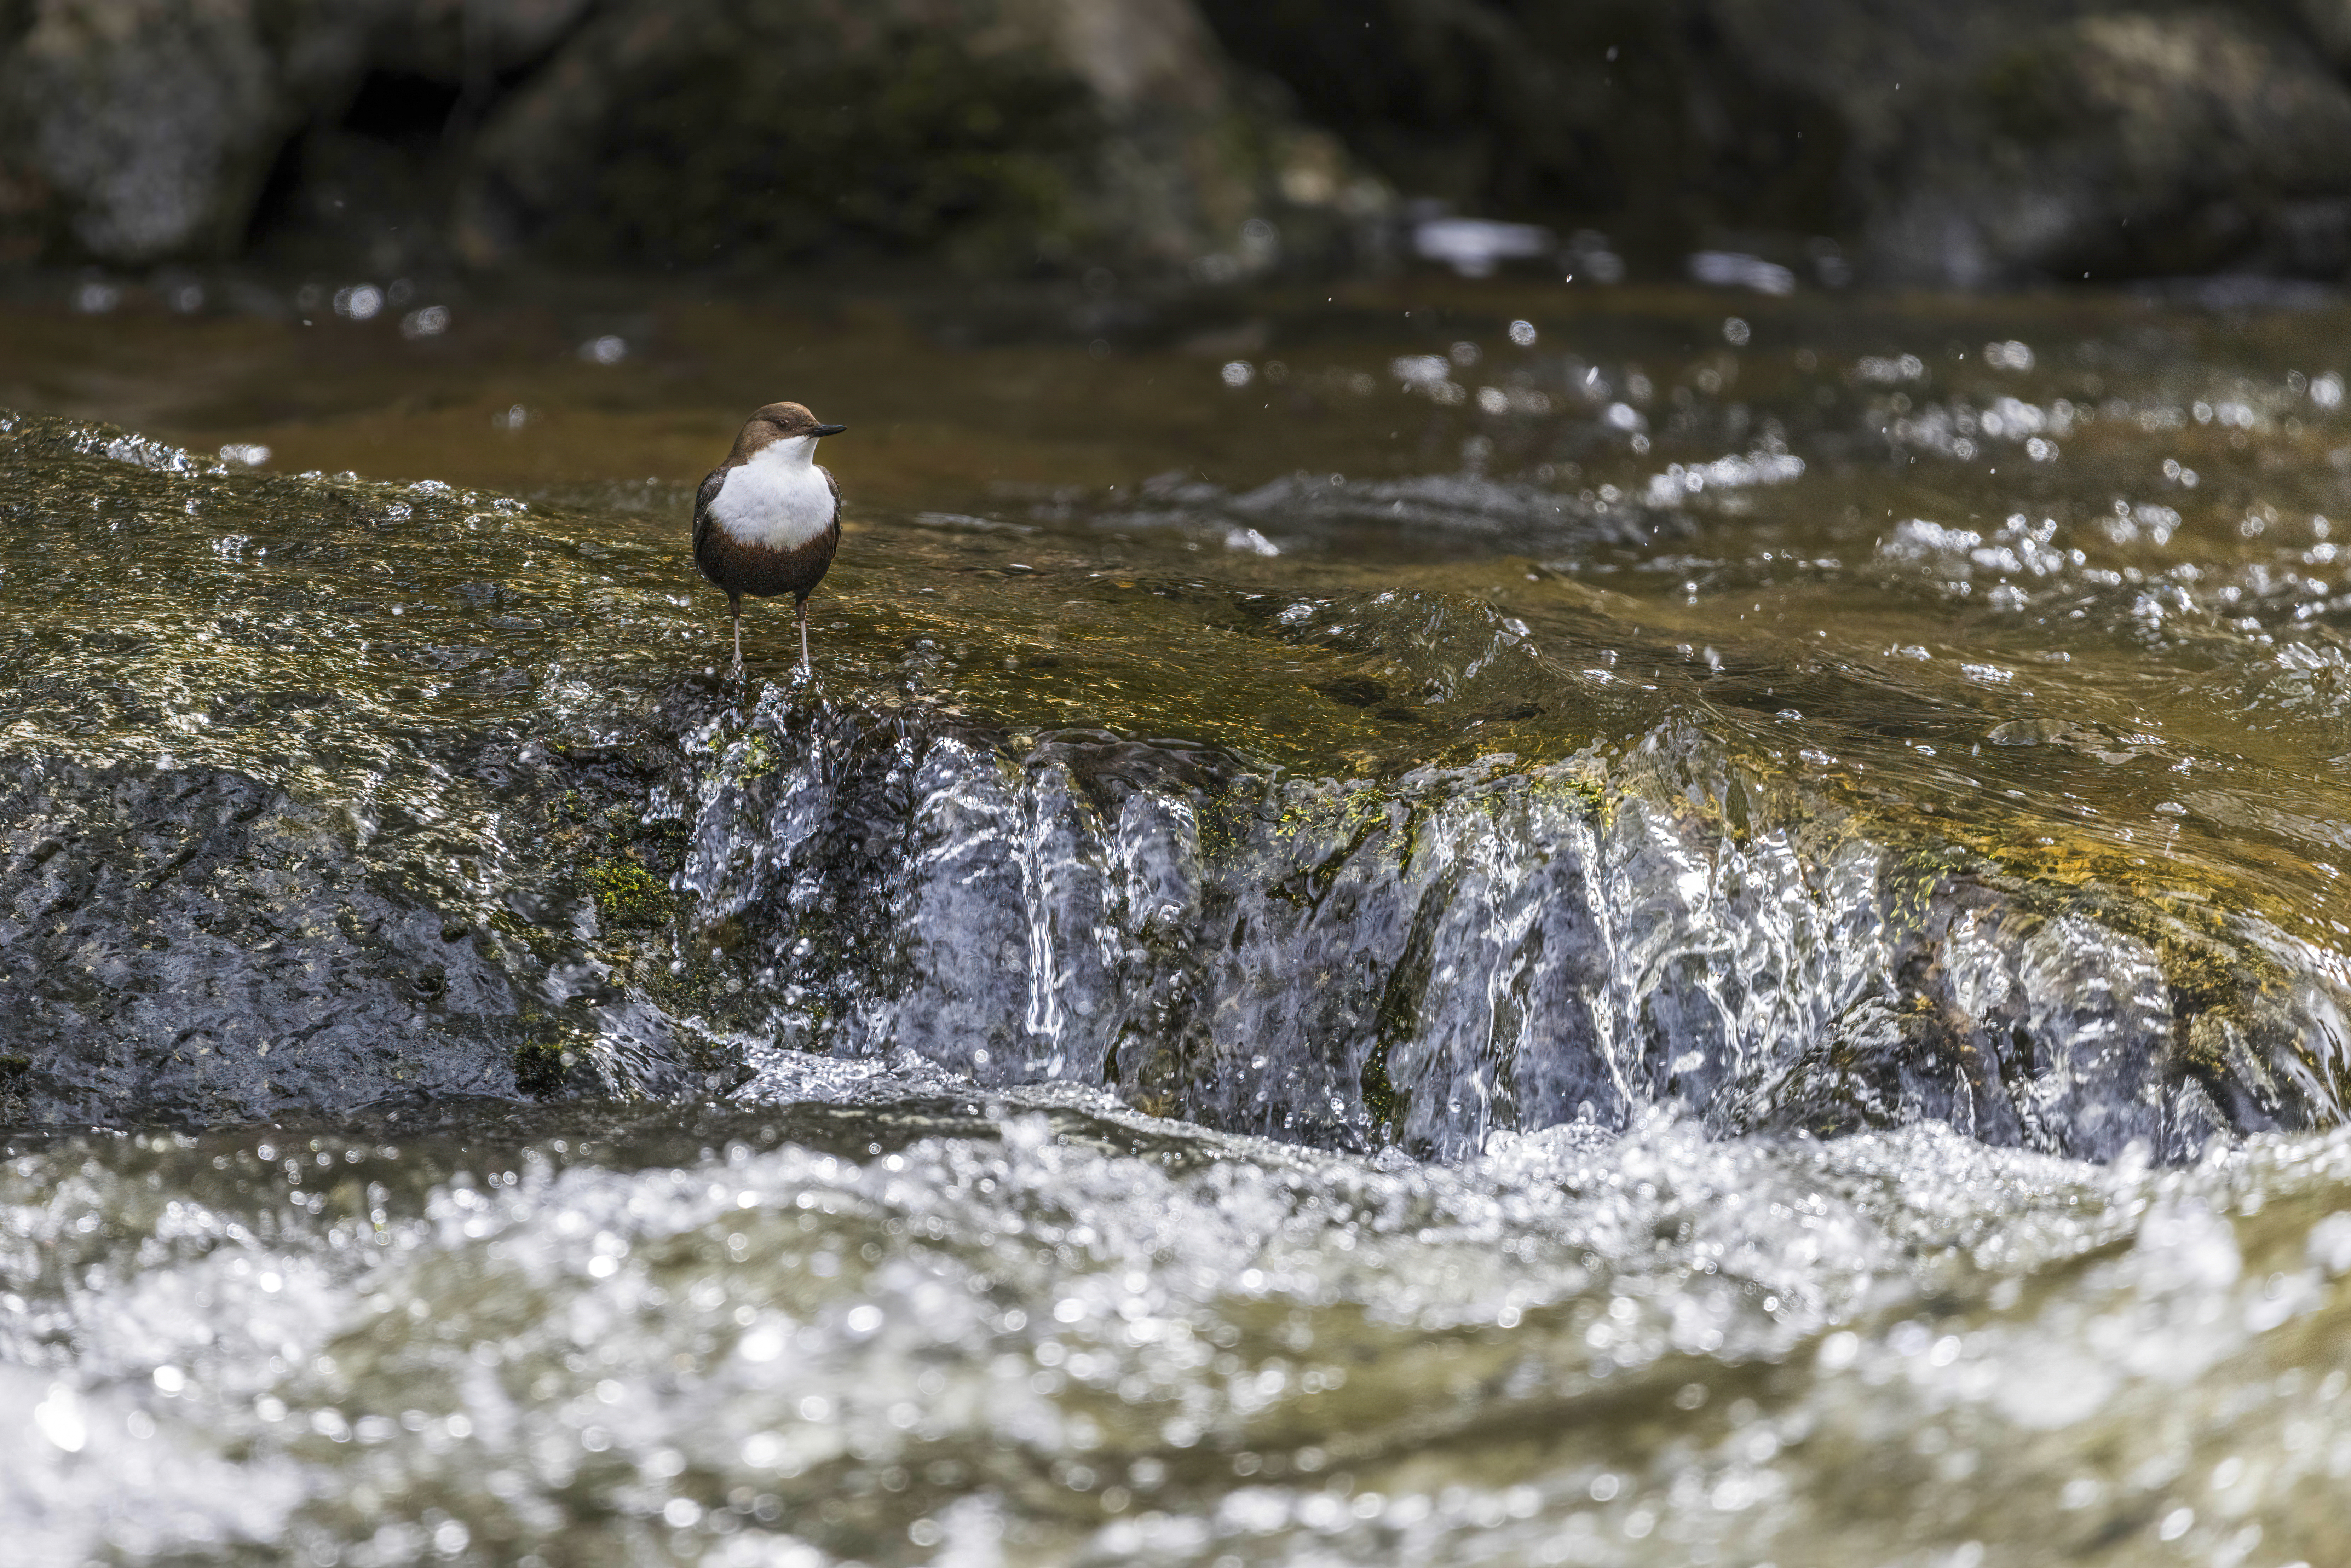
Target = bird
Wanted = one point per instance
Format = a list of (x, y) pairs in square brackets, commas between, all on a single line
[(767, 520)]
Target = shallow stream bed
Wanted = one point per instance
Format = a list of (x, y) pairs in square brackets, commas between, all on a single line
[(1442, 926)]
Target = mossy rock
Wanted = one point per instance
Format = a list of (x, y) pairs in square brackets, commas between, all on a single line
[(627, 895), (788, 134), (539, 1066), (993, 134)]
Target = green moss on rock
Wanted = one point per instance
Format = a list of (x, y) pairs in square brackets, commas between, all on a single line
[(539, 1067), (627, 895), (780, 138)]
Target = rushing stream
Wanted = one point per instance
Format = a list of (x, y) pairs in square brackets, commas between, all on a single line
[(1546, 929)]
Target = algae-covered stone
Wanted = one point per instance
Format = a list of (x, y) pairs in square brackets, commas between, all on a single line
[(697, 133), (995, 132), (318, 803), (992, 132)]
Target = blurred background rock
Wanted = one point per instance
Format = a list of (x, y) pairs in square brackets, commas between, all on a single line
[(1994, 143)]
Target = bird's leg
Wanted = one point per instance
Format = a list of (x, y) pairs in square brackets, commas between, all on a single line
[(735, 609), (804, 651)]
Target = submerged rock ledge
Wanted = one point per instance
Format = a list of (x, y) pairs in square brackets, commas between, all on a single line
[(305, 808)]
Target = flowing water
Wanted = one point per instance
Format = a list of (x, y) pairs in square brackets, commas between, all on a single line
[(1443, 924)]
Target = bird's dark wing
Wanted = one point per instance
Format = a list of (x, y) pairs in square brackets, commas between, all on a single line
[(712, 483), (835, 484)]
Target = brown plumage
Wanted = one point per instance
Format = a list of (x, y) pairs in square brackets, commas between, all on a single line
[(767, 520)]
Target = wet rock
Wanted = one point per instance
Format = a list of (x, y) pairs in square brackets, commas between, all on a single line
[(312, 801), (1457, 952), (470, 42), (995, 132), (2129, 143), (142, 130), (216, 918), (204, 949), (136, 130), (1651, 119), (188, 945), (1958, 146), (1968, 146), (2328, 23)]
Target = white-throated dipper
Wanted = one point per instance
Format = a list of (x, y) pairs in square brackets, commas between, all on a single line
[(767, 519)]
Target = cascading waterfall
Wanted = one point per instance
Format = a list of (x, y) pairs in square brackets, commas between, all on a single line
[(1449, 953)]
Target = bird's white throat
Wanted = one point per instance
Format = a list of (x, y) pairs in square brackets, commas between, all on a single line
[(779, 498)]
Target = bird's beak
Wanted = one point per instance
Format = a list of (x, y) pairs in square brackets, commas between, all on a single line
[(828, 430)]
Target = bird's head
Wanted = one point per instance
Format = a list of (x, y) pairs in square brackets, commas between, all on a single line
[(782, 421)]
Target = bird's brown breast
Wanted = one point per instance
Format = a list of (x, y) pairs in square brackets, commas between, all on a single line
[(763, 572)]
